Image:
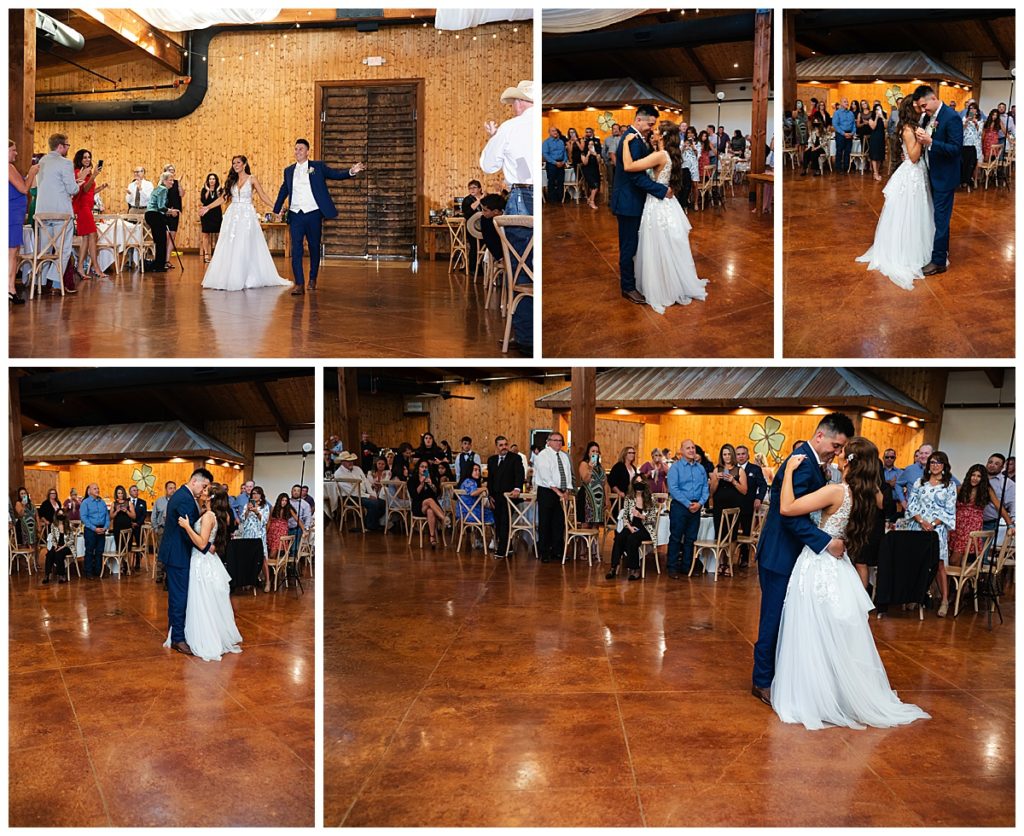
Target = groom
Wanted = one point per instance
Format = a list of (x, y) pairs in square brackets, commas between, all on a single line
[(783, 538), (176, 553), (309, 202), (629, 193), (942, 134)]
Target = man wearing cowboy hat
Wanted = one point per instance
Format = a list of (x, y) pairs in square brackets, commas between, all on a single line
[(373, 507), (511, 150)]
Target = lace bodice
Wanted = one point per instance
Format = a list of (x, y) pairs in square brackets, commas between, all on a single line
[(665, 174), (198, 525), (835, 526), (244, 194)]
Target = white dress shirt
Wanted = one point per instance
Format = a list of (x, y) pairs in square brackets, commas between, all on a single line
[(356, 473), (144, 187), (513, 150), (545, 469), (302, 199)]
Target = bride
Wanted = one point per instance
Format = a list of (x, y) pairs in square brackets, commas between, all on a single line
[(665, 272), (241, 260), (210, 629), (827, 668), (906, 227)]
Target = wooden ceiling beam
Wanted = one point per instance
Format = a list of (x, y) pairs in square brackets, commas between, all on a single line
[(133, 30), (268, 400), (701, 69), (990, 33), (997, 377)]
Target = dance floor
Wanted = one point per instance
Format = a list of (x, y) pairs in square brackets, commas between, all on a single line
[(835, 307), (360, 309), (585, 315), (464, 691), (107, 728)]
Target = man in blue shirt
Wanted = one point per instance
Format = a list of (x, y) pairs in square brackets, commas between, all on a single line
[(889, 470), (688, 487), (240, 502), (846, 127), (553, 151), (95, 521)]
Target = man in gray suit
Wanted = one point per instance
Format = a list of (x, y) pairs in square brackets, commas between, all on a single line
[(56, 184)]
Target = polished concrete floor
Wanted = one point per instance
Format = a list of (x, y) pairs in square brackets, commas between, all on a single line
[(464, 691), (360, 309), (108, 728), (585, 315), (835, 307)]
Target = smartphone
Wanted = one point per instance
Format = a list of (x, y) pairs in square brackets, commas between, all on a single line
[(100, 165)]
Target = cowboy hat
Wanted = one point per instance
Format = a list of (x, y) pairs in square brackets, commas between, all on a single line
[(524, 91)]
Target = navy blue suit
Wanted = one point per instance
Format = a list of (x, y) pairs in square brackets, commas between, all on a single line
[(782, 540), (629, 193), (944, 175), (308, 224), (176, 555)]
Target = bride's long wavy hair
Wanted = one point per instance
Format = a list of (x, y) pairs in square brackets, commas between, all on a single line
[(864, 478), (220, 504), (232, 179), (670, 140), (908, 116)]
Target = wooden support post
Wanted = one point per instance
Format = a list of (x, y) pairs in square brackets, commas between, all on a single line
[(21, 106), (583, 404), (788, 61), (348, 404), (16, 453), (250, 454), (761, 86)]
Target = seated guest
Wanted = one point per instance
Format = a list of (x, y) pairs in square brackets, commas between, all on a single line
[(638, 518), (491, 206), (284, 521), (812, 156), (470, 206), (474, 487), (157, 213), (373, 507), (58, 549), (738, 144), (423, 492), (379, 474)]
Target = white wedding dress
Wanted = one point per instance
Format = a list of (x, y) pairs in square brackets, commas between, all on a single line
[(906, 227), (665, 272), (827, 668), (209, 619), (241, 260)]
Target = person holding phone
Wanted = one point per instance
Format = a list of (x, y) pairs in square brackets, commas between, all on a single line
[(727, 486), (423, 493), (876, 139), (85, 223)]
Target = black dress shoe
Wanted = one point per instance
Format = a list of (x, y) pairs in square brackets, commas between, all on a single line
[(312, 285), (763, 694), (299, 291), (611, 575), (634, 576), (634, 296), (545, 559), (182, 647), (674, 575), (933, 269)]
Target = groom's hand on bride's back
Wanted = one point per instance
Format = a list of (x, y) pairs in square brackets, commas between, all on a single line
[(836, 548)]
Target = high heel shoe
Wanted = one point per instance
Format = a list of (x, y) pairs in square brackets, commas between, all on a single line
[(15, 299), (433, 542)]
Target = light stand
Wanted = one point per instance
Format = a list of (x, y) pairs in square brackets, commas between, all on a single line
[(721, 97), (292, 568), (989, 584)]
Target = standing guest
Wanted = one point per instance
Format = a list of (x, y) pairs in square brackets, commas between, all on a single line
[(17, 205), (609, 149), (428, 450), (49, 509), (121, 513), (138, 517), (656, 471), (751, 501), (971, 500), (876, 139), (510, 150), (1003, 496), (895, 142), (95, 522), (210, 221), (845, 124), (29, 517), (239, 503), (174, 196), (56, 186), (591, 495), (72, 505), (971, 153), (506, 473), (514, 449), (738, 143), (688, 487), (255, 520), (932, 507), (912, 474), (555, 161), (158, 212), (304, 494), (622, 473), (82, 203), (638, 518), (159, 522), (138, 192), (890, 473), (590, 165), (423, 493), (691, 169), (722, 144), (727, 486), (303, 516), (552, 477), (1010, 470), (368, 452), (801, 129), (470, 206), (466, 459)]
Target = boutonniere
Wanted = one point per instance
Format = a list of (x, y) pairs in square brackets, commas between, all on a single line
[(311, 169), (931, 127)]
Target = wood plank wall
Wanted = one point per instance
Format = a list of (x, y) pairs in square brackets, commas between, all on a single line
[(835, 92), (258, 106), (109, 476)]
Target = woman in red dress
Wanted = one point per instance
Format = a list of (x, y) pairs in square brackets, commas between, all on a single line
[(82, 203), (278, 528), (971, 500)]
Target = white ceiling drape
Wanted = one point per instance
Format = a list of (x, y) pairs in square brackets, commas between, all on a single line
[(563, 21), (455, 19), (185, 20)]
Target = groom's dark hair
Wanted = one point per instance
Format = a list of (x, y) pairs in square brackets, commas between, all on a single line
[(301, 141), (202, 473), (922, 91), (835, 423), (648, 110)]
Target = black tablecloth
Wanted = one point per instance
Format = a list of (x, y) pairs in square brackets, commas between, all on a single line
[(907, 563), (243, 560)]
